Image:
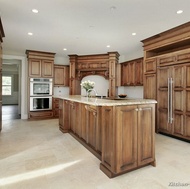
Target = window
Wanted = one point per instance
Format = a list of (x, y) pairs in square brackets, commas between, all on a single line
[(6, 85)]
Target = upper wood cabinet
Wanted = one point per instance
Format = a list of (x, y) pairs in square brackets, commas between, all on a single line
[(61, 75), (40, 64), (132, 72)]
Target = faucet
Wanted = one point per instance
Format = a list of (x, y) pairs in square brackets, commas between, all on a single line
[(92, 90)]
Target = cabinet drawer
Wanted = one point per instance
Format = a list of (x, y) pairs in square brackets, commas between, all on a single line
[(41, 115)]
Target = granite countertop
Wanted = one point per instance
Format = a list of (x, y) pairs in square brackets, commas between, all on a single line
[(105, 101)]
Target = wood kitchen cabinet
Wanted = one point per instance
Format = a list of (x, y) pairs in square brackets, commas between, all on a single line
[(40, 64), (132, 73), (56, 107), (121, 136), (150, 67), (125, 144), (173, 93), (61, 75), (166, 79), (93, 128)]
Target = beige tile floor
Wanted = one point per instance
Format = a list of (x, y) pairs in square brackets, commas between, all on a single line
[(36, 155)]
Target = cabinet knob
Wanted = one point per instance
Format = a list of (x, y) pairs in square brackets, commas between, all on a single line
[(136, 109), (140, 109)]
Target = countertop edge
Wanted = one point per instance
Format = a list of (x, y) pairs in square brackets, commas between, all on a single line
[(105, 102)]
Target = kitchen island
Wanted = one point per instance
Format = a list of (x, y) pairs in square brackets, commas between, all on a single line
[(119, 132)]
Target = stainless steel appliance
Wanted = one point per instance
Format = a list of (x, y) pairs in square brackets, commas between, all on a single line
[(39, 103), (41, 86)]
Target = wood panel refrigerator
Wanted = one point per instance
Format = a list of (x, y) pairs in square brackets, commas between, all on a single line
[(173, 96)]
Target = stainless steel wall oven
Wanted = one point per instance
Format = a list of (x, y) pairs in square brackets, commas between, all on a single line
[(41, 94)]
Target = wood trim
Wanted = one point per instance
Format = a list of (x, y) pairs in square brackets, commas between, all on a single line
[(2, 34)]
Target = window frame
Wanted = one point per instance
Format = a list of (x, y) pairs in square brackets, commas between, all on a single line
[(8, 85)]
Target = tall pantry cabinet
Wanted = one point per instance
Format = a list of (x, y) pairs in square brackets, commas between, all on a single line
[(167, 59), (2, 34)]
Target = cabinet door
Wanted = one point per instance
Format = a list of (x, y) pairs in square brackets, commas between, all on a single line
[(34, 68), (61, 76), (47, 68), (150, 66), (125, 74), (178, 93), (83, 122), (72, 119), (108, 134), (163, 122), (150, 86), (146, 131), (138, 72), (91, 124), (131, 73), (61, 116), (64, 118), (187, 104), (78, 116), (126, 138)]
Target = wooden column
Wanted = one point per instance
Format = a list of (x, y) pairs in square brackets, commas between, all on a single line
[(113, 60), (74, 83)]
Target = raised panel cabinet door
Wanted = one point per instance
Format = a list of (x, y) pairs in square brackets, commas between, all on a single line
[(61, 76), (108, 134), (125, 74), (78, 119), (83, 122), (163, 123), (150, 66), (64, 115), (91, 124), (146, 132), (34, 68), (126, 138), (47, 68), (178, 93), (61, 116), (138, 72), (150, 86), (131, 76), (72, 118)]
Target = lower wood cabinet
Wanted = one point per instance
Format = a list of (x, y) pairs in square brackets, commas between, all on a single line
[(127, 139), (41, 114), (122, 137), (56, 107), (93, 127)]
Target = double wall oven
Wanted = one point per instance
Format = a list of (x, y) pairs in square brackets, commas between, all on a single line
[(41, 94)]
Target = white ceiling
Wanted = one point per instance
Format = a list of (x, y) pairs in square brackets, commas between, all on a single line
[(87, 26)]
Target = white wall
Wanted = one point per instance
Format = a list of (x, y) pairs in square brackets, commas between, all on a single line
[(101, 84)]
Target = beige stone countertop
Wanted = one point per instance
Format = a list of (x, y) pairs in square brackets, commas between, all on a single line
[(105, 101)]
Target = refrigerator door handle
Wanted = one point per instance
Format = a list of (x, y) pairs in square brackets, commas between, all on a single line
[(171, 99), (168, 100)]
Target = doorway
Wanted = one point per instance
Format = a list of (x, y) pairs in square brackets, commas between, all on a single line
[(11, 108)]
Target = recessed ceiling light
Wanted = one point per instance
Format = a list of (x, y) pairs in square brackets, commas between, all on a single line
[(30, 33), (134, 33), (179, 11), (34, 10), (112, 8), (108, 46), (64, 49)]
